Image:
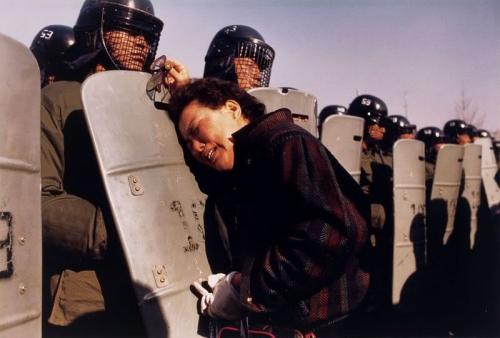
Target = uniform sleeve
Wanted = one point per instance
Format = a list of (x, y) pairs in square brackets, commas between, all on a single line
[(366, 178), (70, 223), (315, 250)]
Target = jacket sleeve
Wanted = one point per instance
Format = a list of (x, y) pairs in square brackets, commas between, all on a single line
[(328, 231), (70, 223)]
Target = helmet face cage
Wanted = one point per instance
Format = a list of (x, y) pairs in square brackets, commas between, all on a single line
[(247, 61), (129, 37), (252, 64)]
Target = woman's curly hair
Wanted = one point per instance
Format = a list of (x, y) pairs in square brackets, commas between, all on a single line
[(213, 93)]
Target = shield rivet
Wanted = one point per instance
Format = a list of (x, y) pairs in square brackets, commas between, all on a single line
[(22, 289), (160, 275), (135, 185), (22, 241)]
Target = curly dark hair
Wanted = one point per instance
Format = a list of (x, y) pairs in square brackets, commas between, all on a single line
[(213, 93)]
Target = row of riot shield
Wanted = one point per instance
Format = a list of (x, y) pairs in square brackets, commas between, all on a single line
[(425, 217), (20, 213), (445, 223)]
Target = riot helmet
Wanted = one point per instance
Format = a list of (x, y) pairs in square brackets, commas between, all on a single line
[(433, 138), (239, 53), (371, 108), (328, 111), (398, 126), (374, 111), (123, 34), (482, 133), (51, 47), (457, 131)]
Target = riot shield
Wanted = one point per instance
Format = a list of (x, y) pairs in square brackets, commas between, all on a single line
[(20, 204), (446, 186), (489, 168), (343, 135), (472, 185), (409, 215), (303, 105), (156, 204)]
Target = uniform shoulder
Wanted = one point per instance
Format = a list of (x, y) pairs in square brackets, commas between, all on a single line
[(62, 96), (62, 88)]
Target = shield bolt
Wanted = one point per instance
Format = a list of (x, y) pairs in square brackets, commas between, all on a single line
[(22, 241), (22, 289)]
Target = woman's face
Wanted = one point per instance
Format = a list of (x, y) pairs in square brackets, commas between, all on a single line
[(208, 132)]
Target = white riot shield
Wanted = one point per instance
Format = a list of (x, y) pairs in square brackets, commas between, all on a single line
[(342, 135), (156, 203), (472, 184), (20, 204), (409, 213), (489, 168), (303, 105), (446, 184)]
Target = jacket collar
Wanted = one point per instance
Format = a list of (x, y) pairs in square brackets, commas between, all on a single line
[(261, 128)]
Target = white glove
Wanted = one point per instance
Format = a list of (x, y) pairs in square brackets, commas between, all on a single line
[(224, 302), (206, 295)]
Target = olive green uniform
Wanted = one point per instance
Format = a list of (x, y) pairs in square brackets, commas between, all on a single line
[(376, 182), (82, 256), (71, 189)]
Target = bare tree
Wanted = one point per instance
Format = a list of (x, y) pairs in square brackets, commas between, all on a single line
[(468, 112)]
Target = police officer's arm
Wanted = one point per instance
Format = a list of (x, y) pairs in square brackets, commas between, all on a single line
[(70, 223), (312, 253)]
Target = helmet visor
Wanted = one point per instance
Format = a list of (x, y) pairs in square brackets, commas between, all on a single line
[(130, 37), (252, 64)]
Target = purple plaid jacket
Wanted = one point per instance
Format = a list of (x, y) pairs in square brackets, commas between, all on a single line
[(299, 227)]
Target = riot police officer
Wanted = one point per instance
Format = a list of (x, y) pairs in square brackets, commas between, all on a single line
[(374, 111), (457, 132), (51, 48), (82, 253), (376, 182), (433, 139), (329, 111), (398, 127), (239, 53)]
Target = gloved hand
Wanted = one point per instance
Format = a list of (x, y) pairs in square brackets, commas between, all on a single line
[(206, 295), (223, 302)]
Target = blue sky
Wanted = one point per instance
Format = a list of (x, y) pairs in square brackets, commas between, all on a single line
[(426, 51)]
